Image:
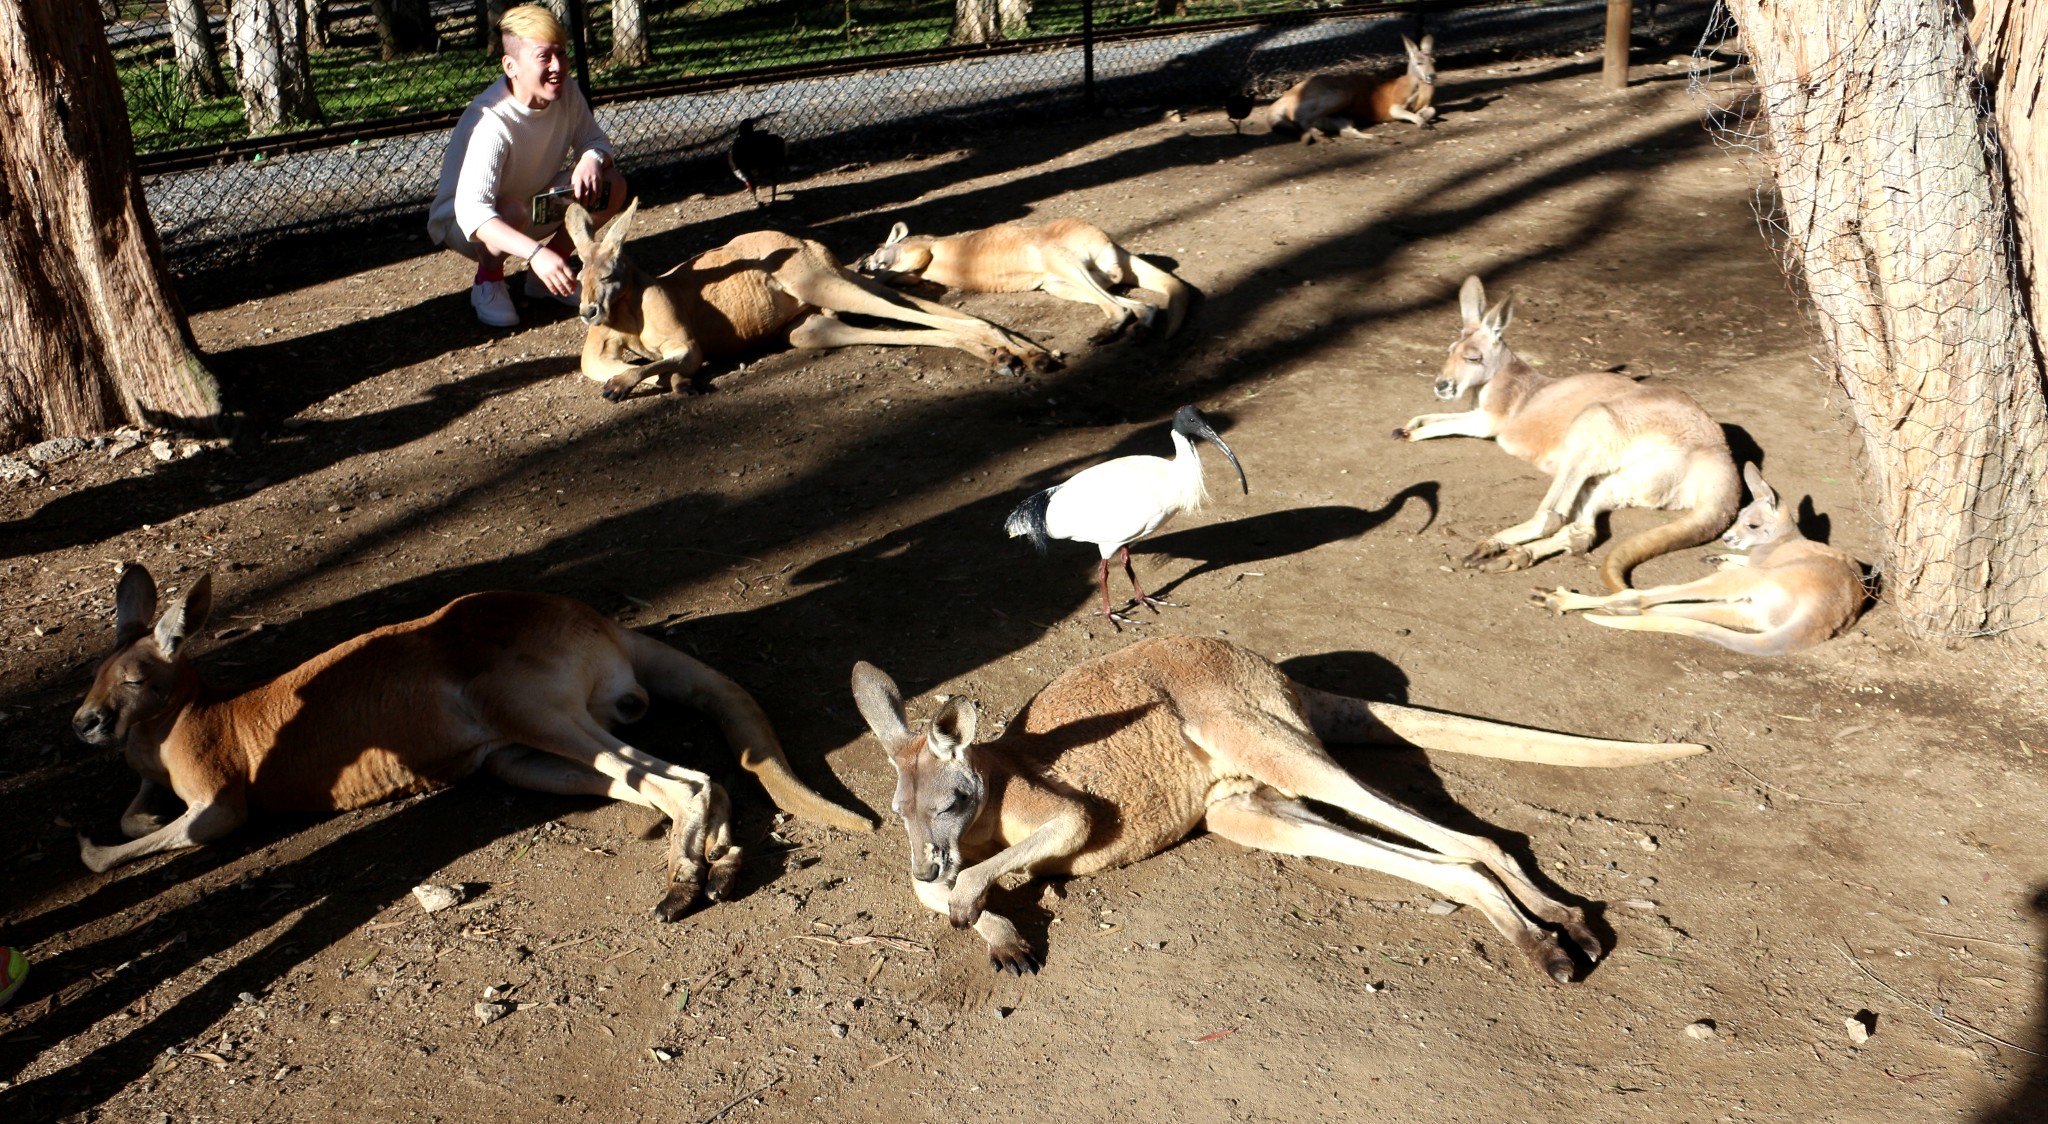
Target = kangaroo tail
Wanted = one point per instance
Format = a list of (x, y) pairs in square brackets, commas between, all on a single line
[(1776, 642), (1717, 496), (1339, 718), (1160, 281), (673, 675)]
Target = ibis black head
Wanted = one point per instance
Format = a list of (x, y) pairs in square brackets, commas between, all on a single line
[(1189, 423)]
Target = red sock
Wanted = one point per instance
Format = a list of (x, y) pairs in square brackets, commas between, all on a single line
[(494, 271)]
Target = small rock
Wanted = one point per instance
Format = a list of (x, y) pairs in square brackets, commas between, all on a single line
[(488, 1013), (1443, 908), (55, 449), (659, 1054), (161, 450), (1637, 903), (1647, 842), (1703, 1030), (838, 1030), (14, 470), (122, 446), (434, 898), (1860, 1026)]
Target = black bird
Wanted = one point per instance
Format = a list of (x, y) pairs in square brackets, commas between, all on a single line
[(1237, 107), (756, 158)]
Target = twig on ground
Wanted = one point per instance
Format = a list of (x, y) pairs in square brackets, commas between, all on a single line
[(1944, 1019), (897, 943), (1797, 796), (742, 1097)]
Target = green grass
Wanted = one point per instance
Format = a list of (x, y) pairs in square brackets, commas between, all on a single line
[(689, 38)]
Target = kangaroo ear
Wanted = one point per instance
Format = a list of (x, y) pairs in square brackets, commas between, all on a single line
[(1502, 315), (577, 221), (1428, 44), (134, 604), (615, 235), (897, 234), (1472, 301), (1758, 490), (186, 616), (1410, 44), (953, 730), (881, 704)]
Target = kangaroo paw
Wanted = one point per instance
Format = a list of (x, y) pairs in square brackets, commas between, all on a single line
[(681, 898), (1014, 958), (1551, 599), (1500, 559), (1550, 959), (620, 387)]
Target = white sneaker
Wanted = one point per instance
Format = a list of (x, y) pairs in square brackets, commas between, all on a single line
[(493, 304), (538, 290)]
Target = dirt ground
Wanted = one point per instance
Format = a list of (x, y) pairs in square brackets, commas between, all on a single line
[(1864, 836)]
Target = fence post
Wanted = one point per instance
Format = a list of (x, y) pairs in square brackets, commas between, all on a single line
[(1614, 63), (1088, 54), (578, 17)]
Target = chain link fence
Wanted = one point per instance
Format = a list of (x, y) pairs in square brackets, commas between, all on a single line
[(356, 125), (1881, 188)]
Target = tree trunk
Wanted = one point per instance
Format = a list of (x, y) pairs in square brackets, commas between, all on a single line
[(488, 13), (270, 63), (1167, 8), (975, 21), (404, 27), (192, 45), (1898, 226), (316, 25), (1015, 16), (2011, 42), (629, 35), (92, 335)]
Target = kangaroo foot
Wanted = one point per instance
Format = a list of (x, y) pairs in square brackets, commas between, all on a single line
[(723, 873), (1549, 957), (1551, 599)]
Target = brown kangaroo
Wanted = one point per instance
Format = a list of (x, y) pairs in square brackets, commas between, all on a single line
[(1787, 595), (1606, 440), (524, 684), (755, 290), (1125, 755), (1070, 259), (1342, 104)]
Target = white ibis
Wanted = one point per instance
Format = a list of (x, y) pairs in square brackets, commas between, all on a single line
[(1118, 502), (756, 157)]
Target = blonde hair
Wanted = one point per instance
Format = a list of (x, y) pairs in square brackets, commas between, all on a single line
[(532, 23)]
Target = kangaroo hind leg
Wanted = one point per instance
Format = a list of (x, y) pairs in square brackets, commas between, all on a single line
[(701, 856), (1271, 822), (1289, 758)]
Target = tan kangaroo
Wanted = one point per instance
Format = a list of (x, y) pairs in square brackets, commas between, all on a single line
[(1343, 104), (1788, 594), (1125, 755), (523, 684), (755, 290), (1606, 441), (1068, 258)]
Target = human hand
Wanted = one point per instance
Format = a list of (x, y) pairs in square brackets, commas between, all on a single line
[(587, 181), (553, 270)]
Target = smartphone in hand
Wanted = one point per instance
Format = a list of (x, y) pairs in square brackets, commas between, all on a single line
[(549, 206)]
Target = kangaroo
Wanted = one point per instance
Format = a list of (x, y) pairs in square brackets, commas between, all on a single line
[(1341, 104), (1070, 259), (1607, 442), (754, 290), (1787, 595), (1125, 755), (523, 684)]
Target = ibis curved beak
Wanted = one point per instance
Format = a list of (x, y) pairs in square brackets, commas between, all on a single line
[(1191, 424)]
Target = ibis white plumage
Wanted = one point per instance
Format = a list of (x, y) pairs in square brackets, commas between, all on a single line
[(1116, 503)]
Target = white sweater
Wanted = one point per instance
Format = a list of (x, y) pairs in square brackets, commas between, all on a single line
[(502, 154)]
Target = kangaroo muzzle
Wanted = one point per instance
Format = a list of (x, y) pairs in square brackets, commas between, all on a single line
[(1446, 389), (95, 726)]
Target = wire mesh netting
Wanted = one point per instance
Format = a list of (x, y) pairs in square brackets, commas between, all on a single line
[(287, 115), (1882, 191)]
